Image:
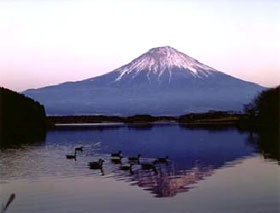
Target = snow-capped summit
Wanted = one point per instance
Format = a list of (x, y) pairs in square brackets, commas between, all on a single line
[(162, 81), (164, 59)]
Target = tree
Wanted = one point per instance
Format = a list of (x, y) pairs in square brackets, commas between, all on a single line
[(266, 107), (250, 110), (21, 118)]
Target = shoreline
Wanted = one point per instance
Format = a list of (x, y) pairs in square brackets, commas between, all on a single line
[(210, 119)]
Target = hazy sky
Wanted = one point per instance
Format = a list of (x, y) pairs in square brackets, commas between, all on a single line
[(45, 42)]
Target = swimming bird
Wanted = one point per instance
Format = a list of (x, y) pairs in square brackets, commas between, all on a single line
[(70, 156), (96, 164), (116, 160), (162, 160), (127, 168), (79, 148), (149, 166), (134, 159), (117, 154)]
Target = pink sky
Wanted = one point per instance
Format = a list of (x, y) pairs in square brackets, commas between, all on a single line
[(48, 42)]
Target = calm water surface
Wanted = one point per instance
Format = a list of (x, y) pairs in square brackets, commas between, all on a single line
[(208, 171)]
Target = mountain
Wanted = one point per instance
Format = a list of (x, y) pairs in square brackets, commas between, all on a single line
[(161, 81)]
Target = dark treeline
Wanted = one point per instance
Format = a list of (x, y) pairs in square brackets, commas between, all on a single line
[(21, 118), (264, 110), (108, 119), (212, 116), (84, 119)]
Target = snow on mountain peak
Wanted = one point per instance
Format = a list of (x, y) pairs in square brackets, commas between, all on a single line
[(164, 59)]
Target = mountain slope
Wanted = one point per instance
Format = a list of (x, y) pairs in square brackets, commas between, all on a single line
[(161, 81)]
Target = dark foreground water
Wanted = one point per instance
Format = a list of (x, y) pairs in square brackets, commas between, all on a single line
[(208, 171)]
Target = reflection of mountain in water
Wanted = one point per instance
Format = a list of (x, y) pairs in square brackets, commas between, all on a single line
[(167, 181), (194, 154)]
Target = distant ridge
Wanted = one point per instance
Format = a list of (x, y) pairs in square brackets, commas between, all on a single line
[(162, 81)]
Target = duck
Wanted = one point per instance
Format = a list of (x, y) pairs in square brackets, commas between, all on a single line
[(70, 156), (135, 158), (127, 168), (149, 166), (117, 154), (96, 164), (79, 148), (162, 160), (116, 160)]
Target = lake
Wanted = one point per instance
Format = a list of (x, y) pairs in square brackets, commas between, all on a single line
[(208, 170)]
